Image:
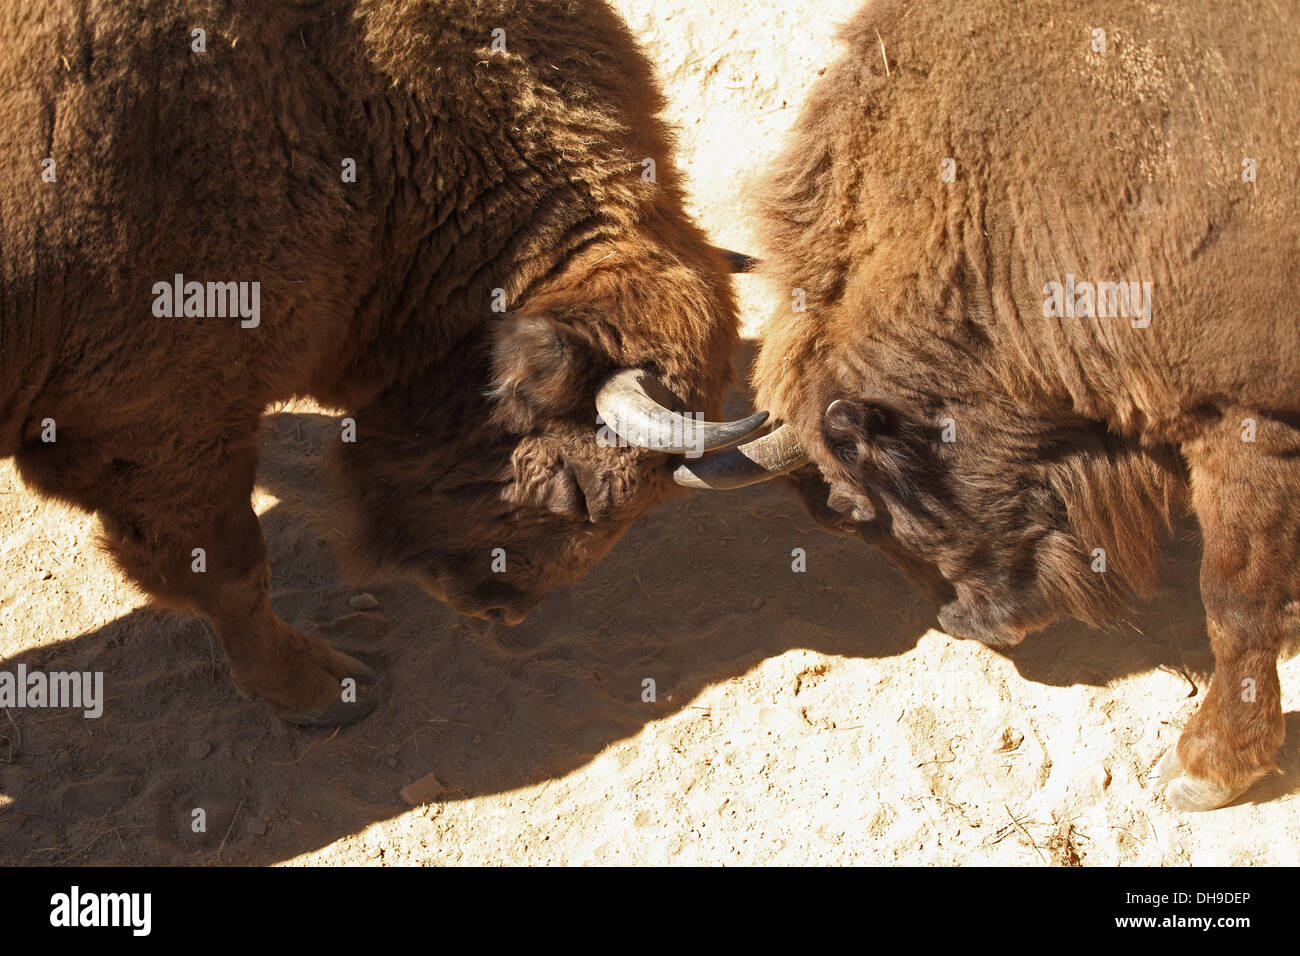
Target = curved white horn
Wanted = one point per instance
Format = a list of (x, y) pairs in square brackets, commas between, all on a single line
[(627, 408), (755, 461)]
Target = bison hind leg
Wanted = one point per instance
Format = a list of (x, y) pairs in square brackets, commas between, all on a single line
[(1243, 494)]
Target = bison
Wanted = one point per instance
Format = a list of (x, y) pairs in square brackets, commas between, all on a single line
[(457, 221), (1047, 258)]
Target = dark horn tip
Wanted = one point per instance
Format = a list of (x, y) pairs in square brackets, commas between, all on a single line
[(751, 423), (721, 435), (738, 261)]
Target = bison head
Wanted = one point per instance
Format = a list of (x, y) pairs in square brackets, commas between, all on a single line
[(1004, 521), (513, 466)]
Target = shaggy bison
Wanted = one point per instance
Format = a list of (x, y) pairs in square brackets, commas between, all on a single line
[(1048, 257), (452, 219)]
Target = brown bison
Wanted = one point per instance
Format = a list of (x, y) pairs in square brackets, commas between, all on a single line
[(452, 219), (1048, 257)]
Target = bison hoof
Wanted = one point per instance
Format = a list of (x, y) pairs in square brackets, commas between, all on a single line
[(1167, 769), (356, 697), (1185, 792)]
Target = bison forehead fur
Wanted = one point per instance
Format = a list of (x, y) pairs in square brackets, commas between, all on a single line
[(498, 154), (958, 168)]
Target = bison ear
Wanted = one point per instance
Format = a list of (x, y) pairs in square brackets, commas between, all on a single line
[(541, 369), (849, 423), (602, 490), (542, 479), (545, 477), (558, 492), (571, 490)]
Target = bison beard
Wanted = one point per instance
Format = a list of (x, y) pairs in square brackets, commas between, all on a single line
[(996, 453), (483, 177)]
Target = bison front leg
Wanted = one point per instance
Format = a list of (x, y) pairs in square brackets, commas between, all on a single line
[(186, 532), (1243, 483)]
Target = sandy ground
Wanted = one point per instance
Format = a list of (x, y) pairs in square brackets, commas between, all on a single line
[(808, 717)]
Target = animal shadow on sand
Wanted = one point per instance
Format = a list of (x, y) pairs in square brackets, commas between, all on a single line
[(699, 592)]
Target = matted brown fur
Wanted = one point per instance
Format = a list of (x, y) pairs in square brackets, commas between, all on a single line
[(477, 170), (993, 451)]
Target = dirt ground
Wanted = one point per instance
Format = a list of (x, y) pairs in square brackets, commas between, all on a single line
[(811, 717)]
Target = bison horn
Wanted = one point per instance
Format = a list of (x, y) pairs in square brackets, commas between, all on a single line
[(748, 464), (627, 408), (738, 261)]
